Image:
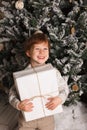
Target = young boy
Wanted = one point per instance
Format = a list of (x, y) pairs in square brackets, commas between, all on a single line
[(37, 49)]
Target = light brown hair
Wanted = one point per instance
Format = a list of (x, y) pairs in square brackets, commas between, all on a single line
[(36, 38)]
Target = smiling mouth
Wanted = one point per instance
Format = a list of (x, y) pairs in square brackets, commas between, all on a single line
[(41, 57)]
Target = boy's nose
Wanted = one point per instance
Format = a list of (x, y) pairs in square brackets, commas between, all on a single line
[(41, 51)]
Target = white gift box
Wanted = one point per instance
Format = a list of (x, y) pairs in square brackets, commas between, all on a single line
[(37, 84)]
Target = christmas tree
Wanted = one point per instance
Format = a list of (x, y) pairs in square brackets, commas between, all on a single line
[(65, 23)]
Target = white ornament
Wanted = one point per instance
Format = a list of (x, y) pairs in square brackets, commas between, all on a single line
[(19, 4)]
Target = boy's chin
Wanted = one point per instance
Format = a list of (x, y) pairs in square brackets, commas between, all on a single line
[(41, 63)]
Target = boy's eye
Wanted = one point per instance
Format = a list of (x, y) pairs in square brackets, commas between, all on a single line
[(46, 48), (41, 49), (37, 48)]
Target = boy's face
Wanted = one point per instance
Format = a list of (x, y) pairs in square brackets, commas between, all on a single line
[(38, 54)]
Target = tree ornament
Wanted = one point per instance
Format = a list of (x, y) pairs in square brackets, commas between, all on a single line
[(70, 1), (72, 30), (1, 46), (38, 31), (75, 87), (19, 4)]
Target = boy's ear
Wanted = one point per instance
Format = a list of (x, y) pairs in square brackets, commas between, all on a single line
[(27, 53)]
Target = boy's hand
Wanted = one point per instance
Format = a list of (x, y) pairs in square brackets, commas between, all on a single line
[(25, 105), (53, 102)]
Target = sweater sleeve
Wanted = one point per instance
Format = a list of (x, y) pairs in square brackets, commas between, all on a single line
[(62, 87), (13, 97)]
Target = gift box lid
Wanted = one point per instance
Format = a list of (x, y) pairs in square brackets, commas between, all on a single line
[(28, 71)]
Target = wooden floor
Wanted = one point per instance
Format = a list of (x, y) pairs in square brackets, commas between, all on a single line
[(8, 115)]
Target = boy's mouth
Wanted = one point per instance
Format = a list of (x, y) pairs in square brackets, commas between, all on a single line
[(41, 57)]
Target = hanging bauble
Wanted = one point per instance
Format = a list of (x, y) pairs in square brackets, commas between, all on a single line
[(1, 46), (73, 30), (70, 1), (19, 4), (75, 87)]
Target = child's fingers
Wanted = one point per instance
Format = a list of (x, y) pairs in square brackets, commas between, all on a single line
[(25, 101), (50, 106), (50, 98), (25, 105), (28, 107)]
